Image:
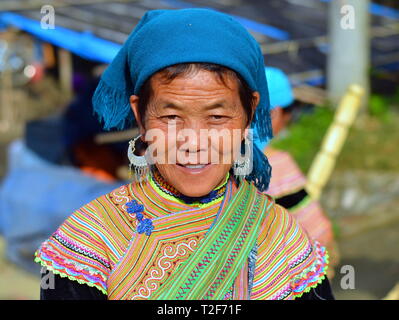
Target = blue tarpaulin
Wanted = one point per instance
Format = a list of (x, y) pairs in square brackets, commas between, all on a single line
[(83, 44)]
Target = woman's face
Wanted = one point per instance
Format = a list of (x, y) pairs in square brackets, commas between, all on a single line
[(194, 126)]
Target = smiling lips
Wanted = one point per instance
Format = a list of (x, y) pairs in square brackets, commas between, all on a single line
[(193, 168)]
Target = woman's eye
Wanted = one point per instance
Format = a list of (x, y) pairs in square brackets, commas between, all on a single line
[(171, 117), (217, 117)]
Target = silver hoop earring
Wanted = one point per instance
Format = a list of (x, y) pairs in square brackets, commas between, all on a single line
[(138, 167), (243, 166)]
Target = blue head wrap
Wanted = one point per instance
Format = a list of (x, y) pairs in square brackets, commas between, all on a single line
[(281, 95), (167, 37)]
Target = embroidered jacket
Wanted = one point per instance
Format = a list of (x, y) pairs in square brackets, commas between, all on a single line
[(99, 245)]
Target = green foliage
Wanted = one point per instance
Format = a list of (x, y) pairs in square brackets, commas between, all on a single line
[(371, 145), (395, 100), (336, 228), (379, 107), (305, 136)]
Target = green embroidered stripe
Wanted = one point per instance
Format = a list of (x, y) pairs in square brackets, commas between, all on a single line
[(211, 270)]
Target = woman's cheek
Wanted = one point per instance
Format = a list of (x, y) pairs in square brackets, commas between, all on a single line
[(227, 147), (157, 150)]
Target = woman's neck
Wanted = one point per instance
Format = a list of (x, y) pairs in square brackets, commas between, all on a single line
[(164, 186)]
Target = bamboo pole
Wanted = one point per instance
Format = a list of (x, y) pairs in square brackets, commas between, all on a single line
[(118, 136), (6, 87), (7, 114), (393, 294), (65, 71), (333, 141), (309, 94)]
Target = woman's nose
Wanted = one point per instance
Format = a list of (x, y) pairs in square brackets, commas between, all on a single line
[(193, 139)]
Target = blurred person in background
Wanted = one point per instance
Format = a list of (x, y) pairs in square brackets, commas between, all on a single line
[(287, 184), (80, 127), (53, 166)]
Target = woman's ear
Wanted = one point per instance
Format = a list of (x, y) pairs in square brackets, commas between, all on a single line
[(255, 103), (256, 97), (134, 104)]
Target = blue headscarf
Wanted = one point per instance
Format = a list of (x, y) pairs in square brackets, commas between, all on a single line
[(167, 37)]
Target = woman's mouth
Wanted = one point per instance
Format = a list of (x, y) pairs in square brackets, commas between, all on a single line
[(193, 168)]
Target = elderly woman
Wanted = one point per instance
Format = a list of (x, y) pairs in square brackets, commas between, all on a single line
[(195, 223)]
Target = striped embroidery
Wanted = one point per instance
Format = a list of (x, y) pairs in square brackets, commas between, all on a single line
[(286, 258), (98, 246), (288, 179), (82, 272)]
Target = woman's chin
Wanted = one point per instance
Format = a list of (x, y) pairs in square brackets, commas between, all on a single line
[(194, 181)]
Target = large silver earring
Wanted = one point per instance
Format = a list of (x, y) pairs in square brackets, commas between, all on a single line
[(138, 167), (243, 166)]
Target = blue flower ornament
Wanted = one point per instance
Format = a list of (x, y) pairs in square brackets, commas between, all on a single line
[(144, 225)]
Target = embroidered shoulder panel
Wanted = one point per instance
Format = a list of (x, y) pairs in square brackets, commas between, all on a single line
[(288, 263), (89, 242)]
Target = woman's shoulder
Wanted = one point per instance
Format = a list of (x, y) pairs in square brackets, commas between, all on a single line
[(109, 212), (109, 202), (103, 218), (87, 244), (289, 263), (277, 222)]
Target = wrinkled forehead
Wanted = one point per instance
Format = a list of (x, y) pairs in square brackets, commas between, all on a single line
[(201, 92), (195, 78)]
